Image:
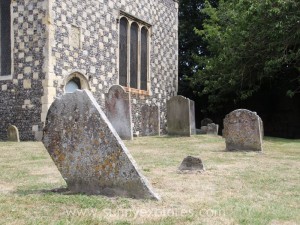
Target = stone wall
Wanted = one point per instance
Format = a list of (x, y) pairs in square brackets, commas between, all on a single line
[(53, 39), (96, 53), (20, 93)]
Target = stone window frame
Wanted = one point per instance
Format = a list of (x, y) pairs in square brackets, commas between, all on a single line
[(131, 19), (9, 76), (84, 80)]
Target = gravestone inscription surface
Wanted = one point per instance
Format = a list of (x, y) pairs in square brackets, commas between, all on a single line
[(243, 130), (150, 120), (118, 111), (181, 116), (88, 151)]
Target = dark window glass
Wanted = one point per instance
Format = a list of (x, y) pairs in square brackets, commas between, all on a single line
[(133, 55), (144, 58), (5, 38), (123, 52)]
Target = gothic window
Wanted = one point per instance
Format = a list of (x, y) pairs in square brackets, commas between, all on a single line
[(123, 51), (144, 58), (5, 38), (133, 53)]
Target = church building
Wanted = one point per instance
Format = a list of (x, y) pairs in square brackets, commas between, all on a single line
[(50, 47)]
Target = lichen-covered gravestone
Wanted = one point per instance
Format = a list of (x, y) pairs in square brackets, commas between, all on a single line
[(150, 120), (88, 152), (13, 134), (243, 130), (181, 116), (118, 111)]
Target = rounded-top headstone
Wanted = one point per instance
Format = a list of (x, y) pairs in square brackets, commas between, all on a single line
[(118, 111), (13, 134), (243, 130)]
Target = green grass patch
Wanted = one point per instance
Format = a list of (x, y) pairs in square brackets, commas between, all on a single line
[(236, 188)]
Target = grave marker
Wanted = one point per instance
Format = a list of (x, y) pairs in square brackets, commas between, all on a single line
[(88, 151), (118, 108), (181, 116), (13, 134), (243, 130), (150, 120)]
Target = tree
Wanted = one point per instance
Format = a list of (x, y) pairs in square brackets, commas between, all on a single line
[(251, 43), (190, 17)]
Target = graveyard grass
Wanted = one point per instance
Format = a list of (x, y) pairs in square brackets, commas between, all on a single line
[(236, 188)]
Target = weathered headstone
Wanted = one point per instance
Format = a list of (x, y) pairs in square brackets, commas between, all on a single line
[(181, 116), (88, 151), (13, 134), (192, 117), (150, 120), (191, 163), (118, 108), (243, 130), (212, 128), (206, 121), (204, 129)]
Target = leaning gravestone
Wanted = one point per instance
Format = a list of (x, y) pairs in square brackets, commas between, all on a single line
[(118, 108), (150, 120), (181, 116), (13, 134), (243, 130), (88, 152)]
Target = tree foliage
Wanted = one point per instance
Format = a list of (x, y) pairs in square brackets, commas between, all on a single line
[(251, 43), (190, 43)]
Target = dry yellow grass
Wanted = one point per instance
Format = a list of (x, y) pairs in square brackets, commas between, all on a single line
[(236, 188)]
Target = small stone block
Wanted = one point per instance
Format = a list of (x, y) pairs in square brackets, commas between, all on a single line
[(191, 163)]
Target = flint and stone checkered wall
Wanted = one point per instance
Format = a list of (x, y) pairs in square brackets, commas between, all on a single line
[(20, 94), (53, 39)]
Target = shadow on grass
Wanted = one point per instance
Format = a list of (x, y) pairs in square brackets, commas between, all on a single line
[(166, 137), (281, 140), (61, 190)]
